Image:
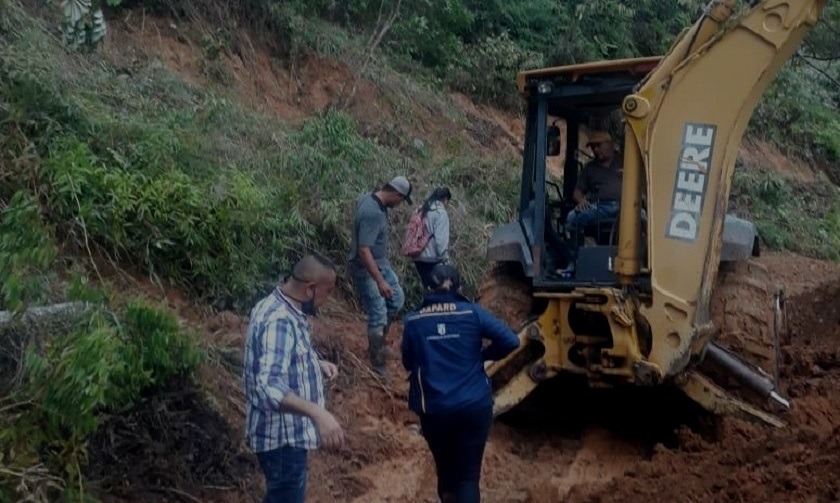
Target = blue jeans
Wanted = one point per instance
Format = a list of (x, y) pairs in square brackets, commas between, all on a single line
[(285, 474), (578, 219), (378, 308), (457, 441)]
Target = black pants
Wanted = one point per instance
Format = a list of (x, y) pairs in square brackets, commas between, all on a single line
[(457, 443), (424, 269)]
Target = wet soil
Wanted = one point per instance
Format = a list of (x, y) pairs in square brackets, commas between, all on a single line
[(568, 443), (747, 462)]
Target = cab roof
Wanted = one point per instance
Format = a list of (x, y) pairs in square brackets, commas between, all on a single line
[(622, 69)]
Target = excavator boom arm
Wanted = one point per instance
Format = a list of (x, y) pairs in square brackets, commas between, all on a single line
[(685, 125)]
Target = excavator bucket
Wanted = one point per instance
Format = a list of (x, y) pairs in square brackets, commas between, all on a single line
[(516, 376), (716, 400)]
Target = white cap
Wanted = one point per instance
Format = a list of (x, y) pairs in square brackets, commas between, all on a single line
[(403, 186)]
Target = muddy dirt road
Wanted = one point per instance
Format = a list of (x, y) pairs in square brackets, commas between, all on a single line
[(585, 447), (647, 448)]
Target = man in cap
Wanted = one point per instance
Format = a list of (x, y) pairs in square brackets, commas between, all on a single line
[(600, 178), (374, 279)]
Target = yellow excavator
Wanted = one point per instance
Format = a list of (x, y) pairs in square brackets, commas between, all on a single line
[(636, 310)]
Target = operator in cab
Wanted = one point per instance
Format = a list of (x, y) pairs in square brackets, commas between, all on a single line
[(600, 178)]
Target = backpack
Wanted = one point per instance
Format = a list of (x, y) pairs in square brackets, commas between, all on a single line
[(416, 235)]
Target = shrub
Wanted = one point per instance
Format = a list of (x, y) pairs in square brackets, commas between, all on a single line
[(790, 215), (487, 70), (26, 252), (73, 380), (216, 239)]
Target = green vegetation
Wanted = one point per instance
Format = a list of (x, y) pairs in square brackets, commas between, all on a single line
[(98, 362), (801, 113), (65, 368), (132, 165), (803, 217), (195, 188), (26, 253)]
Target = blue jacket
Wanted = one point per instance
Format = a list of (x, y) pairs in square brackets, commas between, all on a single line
[(442, 349)]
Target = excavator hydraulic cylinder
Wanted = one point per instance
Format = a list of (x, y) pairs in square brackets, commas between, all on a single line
[(756, 382)]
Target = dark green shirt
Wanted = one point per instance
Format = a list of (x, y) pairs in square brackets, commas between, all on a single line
[(604, 183)]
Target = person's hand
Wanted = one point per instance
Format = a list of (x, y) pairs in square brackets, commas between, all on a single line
[(332, 436), (385, 289), (330, 370), (584, 205)]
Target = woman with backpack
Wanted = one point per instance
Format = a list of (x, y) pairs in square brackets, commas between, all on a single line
[(433, 236)]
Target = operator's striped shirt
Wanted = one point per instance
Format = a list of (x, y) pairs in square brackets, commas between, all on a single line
[(279, 358)]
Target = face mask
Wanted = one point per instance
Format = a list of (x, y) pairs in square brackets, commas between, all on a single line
[(308, 307)]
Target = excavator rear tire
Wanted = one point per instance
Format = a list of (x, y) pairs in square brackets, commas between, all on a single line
[(742, 309), (506, 292)]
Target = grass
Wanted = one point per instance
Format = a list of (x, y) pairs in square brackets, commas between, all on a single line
[(791, 215), (193, 186)]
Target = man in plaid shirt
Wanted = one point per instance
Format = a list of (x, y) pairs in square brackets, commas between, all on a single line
[(284, 389)]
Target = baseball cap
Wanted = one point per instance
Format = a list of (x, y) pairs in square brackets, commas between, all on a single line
[(403, 186), (598, 137)]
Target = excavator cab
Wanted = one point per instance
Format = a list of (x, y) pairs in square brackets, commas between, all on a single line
[(564, 105), (637, 311)]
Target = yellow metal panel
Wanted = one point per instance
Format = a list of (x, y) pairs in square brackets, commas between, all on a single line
[(699, 108), (712, 398)]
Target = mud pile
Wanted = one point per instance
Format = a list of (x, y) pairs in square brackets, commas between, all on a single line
[(748, 462), (742, 307)]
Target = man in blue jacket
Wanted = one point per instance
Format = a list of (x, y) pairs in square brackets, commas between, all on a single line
[(449, 390)]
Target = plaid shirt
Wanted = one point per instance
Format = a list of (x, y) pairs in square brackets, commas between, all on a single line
[(279, 359)]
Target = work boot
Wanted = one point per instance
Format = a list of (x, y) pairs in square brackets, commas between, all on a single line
[(376, 352), (389, 353)]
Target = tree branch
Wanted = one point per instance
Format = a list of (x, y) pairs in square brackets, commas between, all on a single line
[(373, 42), (830, 54), (819, 70), (813, 56)]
